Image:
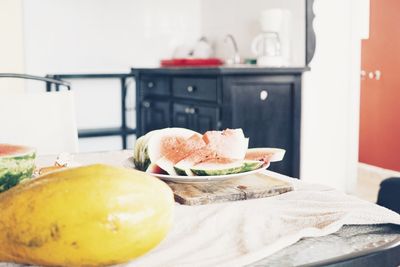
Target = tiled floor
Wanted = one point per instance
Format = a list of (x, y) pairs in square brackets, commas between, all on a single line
[(369, 179)]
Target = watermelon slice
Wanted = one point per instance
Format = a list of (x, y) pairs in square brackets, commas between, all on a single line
[(140, 155), (183, 167), (155, 144), (179, 152), (229, 143), (17, 163), (265, 154)]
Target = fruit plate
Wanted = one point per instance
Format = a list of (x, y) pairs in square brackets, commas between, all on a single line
[(196, 179)]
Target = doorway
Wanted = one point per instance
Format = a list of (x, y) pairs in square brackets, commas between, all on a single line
[(380, 88), (379, 138)]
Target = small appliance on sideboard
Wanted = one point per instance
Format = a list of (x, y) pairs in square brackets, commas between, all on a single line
[(272, 45)]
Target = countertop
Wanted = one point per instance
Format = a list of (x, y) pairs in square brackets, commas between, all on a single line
[(224, 70)]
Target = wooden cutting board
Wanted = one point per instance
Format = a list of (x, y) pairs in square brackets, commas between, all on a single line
[(244, 187)]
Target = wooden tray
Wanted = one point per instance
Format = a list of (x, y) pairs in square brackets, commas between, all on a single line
[(257, 185)]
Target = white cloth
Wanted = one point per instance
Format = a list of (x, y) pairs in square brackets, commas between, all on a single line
[(240, 233)]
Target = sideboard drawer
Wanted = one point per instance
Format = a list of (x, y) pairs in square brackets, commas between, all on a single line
[(154, 85), (195, 88)]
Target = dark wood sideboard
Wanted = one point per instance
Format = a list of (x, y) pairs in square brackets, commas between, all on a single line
[(264, 102)]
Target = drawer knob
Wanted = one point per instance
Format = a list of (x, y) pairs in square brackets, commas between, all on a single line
[(190, 110), (146, 104), (150, 84), (190, 89), (263, 95)]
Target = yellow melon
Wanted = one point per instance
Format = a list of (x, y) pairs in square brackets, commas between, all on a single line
[(88, 216)]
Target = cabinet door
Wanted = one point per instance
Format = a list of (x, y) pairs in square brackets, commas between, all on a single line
[(205, 119), (266, 114), (181, 116), (154, 115), (195, 117)]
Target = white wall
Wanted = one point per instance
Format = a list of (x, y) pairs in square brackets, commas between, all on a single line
[(95, 36), (240, 18), (331, 95), (105, 35), (11, 44)]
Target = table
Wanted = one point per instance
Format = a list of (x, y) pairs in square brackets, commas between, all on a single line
[(352, 245), (370, 245)]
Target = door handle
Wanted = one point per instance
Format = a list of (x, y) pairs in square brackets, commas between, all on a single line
[(190, 89), (363, 74), (146, 104), (377, 74), (150, 85), (190, 110), (263, 95)]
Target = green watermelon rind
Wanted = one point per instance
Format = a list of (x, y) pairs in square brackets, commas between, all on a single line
[(180, 171), (15, 169), (251, 165), (247, 165), (140, 155), (216, 172)]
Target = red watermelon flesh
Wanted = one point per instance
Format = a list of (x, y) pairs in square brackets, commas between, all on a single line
[(259, 155), (180, 151), (265, 154), (198, 156), (154, 168), (169, 143), (16, 164), (229, 144), (13, 150)]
